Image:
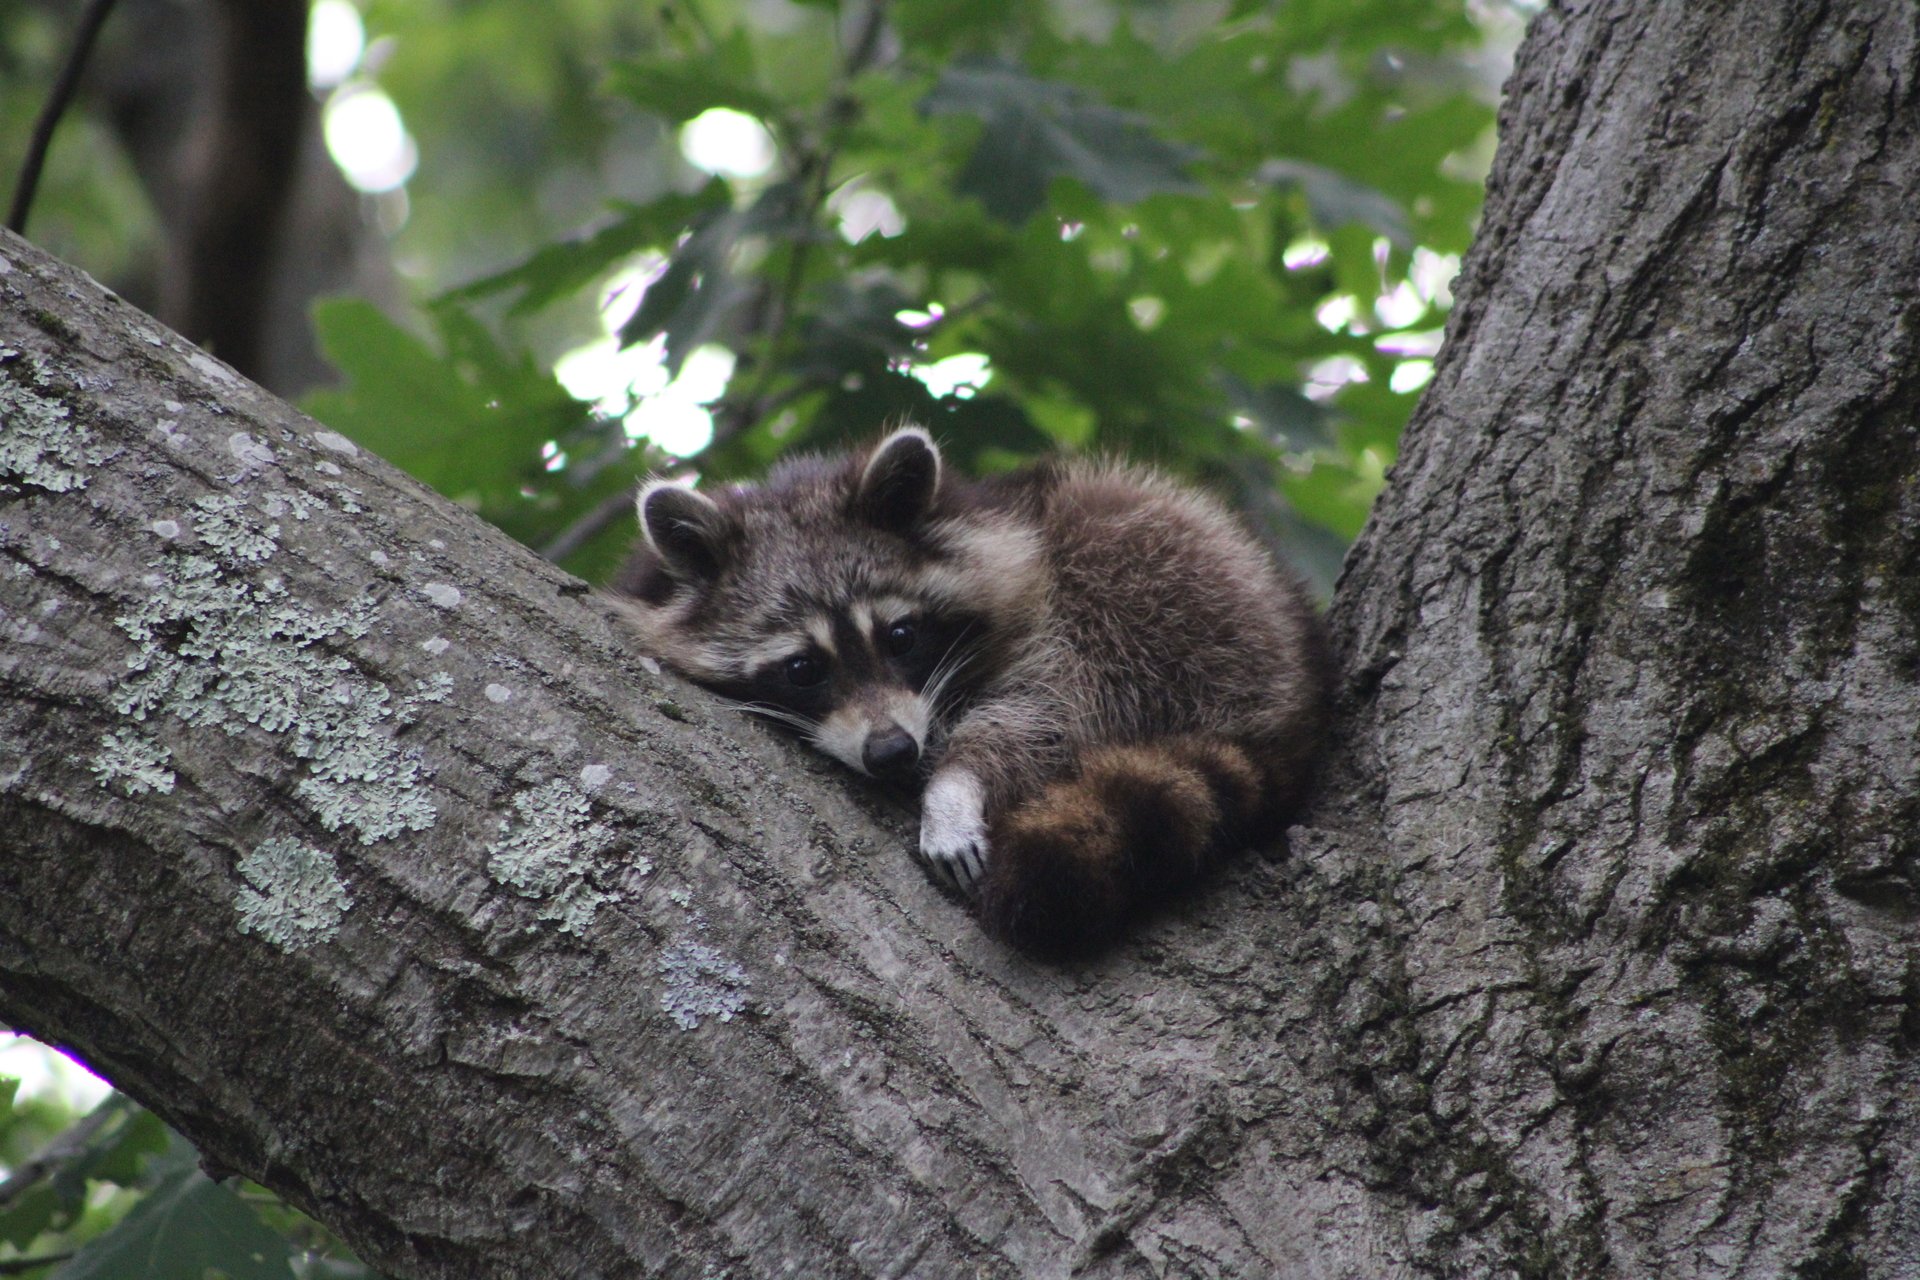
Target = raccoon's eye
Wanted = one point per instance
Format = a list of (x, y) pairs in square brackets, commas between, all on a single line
[(804, 670), (900, 638)]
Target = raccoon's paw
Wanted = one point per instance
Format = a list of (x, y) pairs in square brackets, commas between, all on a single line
[(953, 829)]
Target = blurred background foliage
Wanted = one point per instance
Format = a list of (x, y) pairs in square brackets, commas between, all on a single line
[(1217, 235), (539, 248), (94, 1187), (613, 238)]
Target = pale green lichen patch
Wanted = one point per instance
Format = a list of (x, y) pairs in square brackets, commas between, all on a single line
[(701, 983), (135, 762), (225, 527), (39, 445), (548, 851), (217, 648), (301, 505), (291, 893), (434, 688)]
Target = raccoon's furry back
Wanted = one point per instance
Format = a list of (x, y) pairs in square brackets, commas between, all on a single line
[(1111, 684), (1190, 678)]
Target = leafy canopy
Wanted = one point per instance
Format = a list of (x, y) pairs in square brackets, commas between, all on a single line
[(115, 1194), (1212, 235)]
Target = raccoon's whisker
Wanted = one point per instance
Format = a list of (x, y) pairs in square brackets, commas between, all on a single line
[(943, 675), (770, 712), (959, 656)]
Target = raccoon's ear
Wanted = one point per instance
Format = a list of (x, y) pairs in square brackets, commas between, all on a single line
[(687, 530), (903, 475)]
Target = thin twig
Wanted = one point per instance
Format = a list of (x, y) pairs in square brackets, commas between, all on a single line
[(575, 535), (63, 1147), (56, 106), (815, 168)]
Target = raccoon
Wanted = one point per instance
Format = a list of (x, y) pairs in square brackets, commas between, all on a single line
[(1104, 682)]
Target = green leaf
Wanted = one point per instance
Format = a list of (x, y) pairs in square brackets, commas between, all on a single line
[(1336, 495), (1037, 130), (32, 1212), (1177, 161), (116, 1152), (680, 88), (851, 329), (403, 401), (1285, 417), (939, 24), (470, 423), (186, 1226), (122, 1156), (568, 267), (1336, 200), (694, 297)]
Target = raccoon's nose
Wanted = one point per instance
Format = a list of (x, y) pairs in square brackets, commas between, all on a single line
[(890, 751)]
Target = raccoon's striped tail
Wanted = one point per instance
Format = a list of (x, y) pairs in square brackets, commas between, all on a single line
[(1070, 865)]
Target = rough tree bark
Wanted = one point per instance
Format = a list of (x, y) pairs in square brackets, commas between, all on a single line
[(418, 897)]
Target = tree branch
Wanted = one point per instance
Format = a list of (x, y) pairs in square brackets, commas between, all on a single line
[(418, 898), (65, 1145), (359, 844)]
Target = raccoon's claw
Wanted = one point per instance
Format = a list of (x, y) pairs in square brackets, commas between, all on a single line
[(953, 830), (961, 866)]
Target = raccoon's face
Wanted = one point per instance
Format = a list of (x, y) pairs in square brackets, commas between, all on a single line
[(832, 598), (866, 681)]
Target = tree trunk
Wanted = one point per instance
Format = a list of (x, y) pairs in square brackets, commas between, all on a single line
[(1634, 642), (359, 844), (209, 99)]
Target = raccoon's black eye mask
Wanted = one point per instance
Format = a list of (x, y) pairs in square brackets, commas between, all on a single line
[(800, 683), (804, 670)]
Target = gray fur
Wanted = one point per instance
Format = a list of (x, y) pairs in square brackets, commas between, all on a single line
[(1108, 606)]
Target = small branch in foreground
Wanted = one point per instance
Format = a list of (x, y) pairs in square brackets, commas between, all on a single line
[(64, 1146), (577, 534), (56, 106)]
